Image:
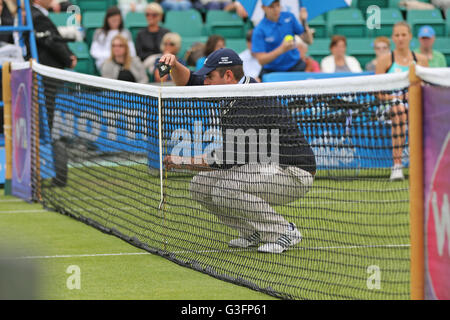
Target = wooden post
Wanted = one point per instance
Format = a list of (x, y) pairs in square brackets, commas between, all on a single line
[(7, 124), (416, 186)]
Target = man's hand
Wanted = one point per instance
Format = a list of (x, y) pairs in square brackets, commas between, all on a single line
[(287, 45), (303, 14), (74, 61), (169, 59), (171, 162), (180, 74)]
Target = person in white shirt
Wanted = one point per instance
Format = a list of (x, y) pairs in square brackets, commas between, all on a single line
[(101, 43), (131, 6), (338, 61), (252, 67)]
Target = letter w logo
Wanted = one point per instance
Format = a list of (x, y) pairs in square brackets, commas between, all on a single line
[(441, 222)]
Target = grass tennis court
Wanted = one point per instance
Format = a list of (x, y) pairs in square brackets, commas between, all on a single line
[(343, 229), (110, 268)]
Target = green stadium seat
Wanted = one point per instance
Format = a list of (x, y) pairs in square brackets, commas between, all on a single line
[(319, 25), (442, 45), (319, 49), (91, 21), (224, 23), (85, 63), (364, 4), (134, 22), (419, 18), (95, 5), (187, 42), (388, 18), (347, 22), (238, 45), (59, 19), (447, 16), (187, 23), (362, 49)]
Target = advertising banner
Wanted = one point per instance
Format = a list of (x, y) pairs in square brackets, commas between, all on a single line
[(21, 132), (436, 115)]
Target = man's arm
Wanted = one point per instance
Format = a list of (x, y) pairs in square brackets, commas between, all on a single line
[(267, 57), (180, 74), (191, 163), (307, 35)]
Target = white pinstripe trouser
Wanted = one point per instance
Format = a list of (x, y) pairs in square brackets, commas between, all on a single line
[(242, 197)]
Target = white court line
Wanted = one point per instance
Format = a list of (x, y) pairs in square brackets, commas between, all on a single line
[(81, 255), (11, 200), (23, 211), (204, 251)]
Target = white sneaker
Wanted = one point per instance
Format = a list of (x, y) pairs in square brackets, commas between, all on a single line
[(251, 241), (289, 239), (397, 172)]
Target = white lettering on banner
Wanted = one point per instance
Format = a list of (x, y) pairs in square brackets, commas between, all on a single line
[(333, 151), (441, 222), (21, 133), (91, 125), (93, 133)]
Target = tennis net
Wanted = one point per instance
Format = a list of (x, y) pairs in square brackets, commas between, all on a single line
[(284, 188)]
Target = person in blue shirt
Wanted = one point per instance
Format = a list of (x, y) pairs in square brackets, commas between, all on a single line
[(273, 39)]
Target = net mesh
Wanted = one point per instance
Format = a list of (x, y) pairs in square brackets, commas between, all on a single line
[(242, 174)]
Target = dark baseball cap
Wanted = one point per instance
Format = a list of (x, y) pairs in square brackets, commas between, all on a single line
[(220, 58)]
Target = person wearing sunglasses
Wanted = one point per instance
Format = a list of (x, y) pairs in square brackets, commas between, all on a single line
[(170, 44), (148, 40), (382, 46), (121, 65)]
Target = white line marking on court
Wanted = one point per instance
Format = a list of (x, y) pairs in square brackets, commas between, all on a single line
[(81, 255), (11, 200), (24, 211), (204, 251)]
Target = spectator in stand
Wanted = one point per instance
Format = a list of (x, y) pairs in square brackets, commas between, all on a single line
[(273, 39), (148, 40), (382, 46), (121, 65), (170, 44), (126, 6), (311, 64), (238, 8), (101, 43), (212, 4), (6, 19), (54, 53), (338, 61), (176, 5), (251, 65), (426, 38), (214, 42), (442, 4)]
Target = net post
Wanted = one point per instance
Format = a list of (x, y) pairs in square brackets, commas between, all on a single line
[(7, 125), (416, 185)]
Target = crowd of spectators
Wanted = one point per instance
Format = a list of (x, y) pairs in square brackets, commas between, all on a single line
[(279, 43)]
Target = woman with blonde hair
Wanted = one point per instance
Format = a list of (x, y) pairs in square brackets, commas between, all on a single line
[(121, 65), (170, 43), (101, 42), (148, 40), (381, 46), (399, 60)]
